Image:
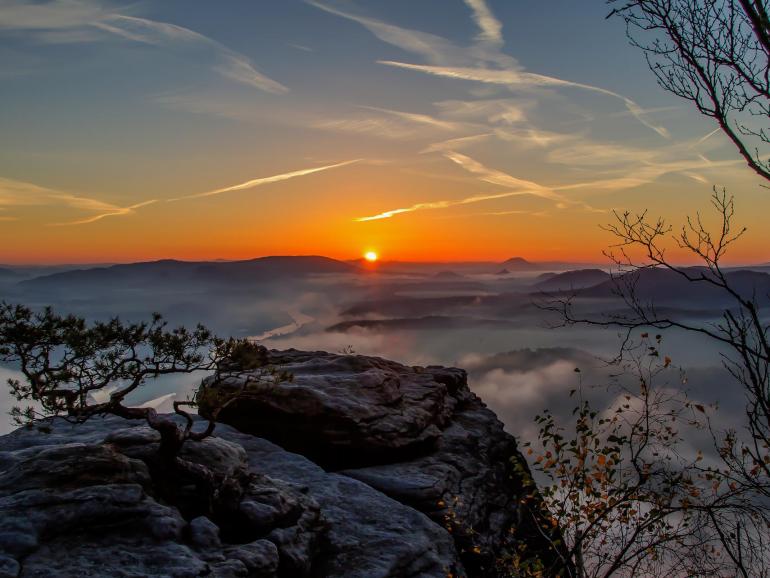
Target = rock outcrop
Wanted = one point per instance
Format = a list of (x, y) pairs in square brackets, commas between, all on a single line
[(358, 467), (416, 434)]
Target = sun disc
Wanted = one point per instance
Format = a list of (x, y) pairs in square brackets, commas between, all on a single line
[(370, 256)]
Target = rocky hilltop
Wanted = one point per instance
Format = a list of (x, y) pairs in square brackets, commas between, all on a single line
[(357, 467)]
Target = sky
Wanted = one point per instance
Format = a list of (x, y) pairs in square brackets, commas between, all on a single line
[(431, 130)]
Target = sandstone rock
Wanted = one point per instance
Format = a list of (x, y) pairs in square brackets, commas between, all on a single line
[(403, 472), (369, 534), (260, 558), (9, 568), (87, 509), (393, 410), (325, 524), (204, 533), (417, 434)]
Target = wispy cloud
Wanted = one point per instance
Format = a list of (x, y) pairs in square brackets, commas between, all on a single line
[(301, 47), (419, 119), (116, 212), (524, 81), (61, 21), (491, 29), (441, 205), (232, 65), (456, 143), (18, 193), (431, 47), (57, 14), (496, 177), (704, 138), (15, 193), (389, 124), (482, 62), (258, 182), (495, 111), (520, 187)]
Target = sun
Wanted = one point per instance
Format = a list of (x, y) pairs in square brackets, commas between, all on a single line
[(370, 256)]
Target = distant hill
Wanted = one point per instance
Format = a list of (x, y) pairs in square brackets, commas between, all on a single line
[(520, 264), (664, 286), (175, 273), (6, 273), (449, 275), (579, 279)]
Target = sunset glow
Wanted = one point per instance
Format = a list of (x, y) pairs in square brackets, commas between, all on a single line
[(370, 256), (467, 137)]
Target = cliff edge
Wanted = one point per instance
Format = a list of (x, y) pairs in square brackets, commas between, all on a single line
[(357, 467)]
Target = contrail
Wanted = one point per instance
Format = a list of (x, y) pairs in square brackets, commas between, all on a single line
[(264, 181)]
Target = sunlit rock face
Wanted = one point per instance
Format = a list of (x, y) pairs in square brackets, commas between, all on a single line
[(393, 471)]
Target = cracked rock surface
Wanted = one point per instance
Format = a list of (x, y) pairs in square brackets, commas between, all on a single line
[(358, 467), (416, 434)]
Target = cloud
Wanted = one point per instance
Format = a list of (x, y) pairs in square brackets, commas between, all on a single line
[(524, 81), (473, 63), (521, 187), (706, 137), (496, 177), (301, 47), (628, 167), (443, 204), (457, 143), (19, 193), (74, 20), (264, 181), (495, 111), (641, 115), (58, 14), (419, 119), (527, 137), (117, 212), (387, 123), (232, 65), (491, 29), (431, 47)]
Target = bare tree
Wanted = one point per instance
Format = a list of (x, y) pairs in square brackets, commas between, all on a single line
[(733, 497), (631, 495), (715, 54)]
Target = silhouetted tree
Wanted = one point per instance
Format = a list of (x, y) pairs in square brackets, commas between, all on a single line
[(78, 370), (628, 497), (725, 507), (715, 54)]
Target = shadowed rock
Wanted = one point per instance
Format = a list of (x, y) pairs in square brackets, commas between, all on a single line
[(394, 471), (417, 434)]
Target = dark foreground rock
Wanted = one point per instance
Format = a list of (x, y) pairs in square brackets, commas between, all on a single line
[(358, 468), (417, 434), (74, 500)]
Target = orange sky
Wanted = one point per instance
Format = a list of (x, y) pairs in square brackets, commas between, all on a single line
[(167, 133)]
